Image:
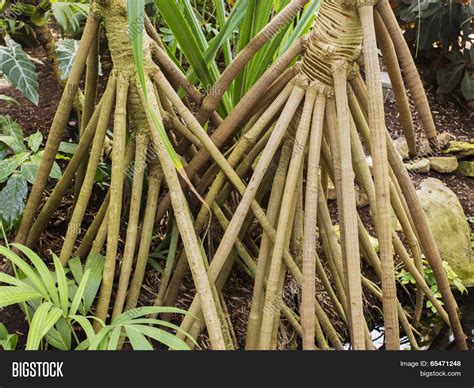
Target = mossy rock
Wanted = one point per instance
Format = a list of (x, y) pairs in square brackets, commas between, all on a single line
[(449, 226)]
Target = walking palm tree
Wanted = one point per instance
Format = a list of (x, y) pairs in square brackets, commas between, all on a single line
[(298, 126)]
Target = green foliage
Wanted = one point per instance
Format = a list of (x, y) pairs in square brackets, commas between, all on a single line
[(406, 278), (7, 341), (59, 303), (441, 32), (17, 67), (211, 34), (20, 158), (66, 50), (70, 15)]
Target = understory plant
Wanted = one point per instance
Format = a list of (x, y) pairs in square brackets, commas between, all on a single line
[(20, 158), (259, 152), (58, 308), (441, 32), (28, 20)]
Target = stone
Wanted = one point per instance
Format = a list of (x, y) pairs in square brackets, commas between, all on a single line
[(460, 146), (444, 165), (444, 138), (420, 166), (402, 147), (466, 168), (449, 226)]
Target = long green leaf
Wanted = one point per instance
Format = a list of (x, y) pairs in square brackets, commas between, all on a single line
[(137, 339), (184, 35), (79, 293), (129, 315), (10, 295), (27, 270), (43, 270), (44, 319), (62, 284), (161, 336)]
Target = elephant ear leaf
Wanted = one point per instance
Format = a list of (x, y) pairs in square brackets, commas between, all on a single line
[(12, 200), (67, 49), (17, 68)]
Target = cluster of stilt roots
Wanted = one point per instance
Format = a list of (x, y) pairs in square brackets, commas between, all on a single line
[(300, 126)]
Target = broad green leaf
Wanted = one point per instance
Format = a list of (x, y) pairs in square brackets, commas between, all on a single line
[(12, 200), (17, 68), (3, 151), (9, 165), (66, 50), (67, 148), (30, 168), (11, 129), (34, 141), (43, 320)]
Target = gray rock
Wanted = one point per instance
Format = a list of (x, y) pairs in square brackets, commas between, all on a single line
[(444, 165), (402, 147), (449, 226), (420, 166)]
